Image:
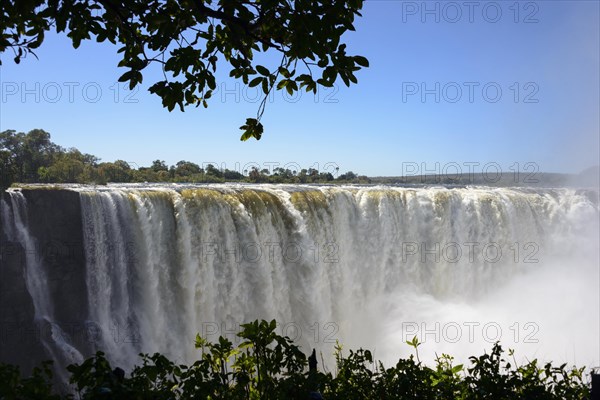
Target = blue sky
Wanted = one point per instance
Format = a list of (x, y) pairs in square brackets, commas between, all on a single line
[(450, 83)]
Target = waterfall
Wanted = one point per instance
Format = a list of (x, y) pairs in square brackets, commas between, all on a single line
[(363, 265), (53, 338)]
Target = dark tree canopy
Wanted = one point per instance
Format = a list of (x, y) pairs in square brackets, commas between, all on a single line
[(188, 38)]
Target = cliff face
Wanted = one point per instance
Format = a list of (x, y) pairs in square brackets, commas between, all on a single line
[(54, 224), (18, 341)]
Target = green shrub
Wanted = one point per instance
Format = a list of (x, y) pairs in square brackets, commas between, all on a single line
[(268, 366)]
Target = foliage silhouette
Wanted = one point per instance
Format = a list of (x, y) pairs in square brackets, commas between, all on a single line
[(269, 366), (189, 38)]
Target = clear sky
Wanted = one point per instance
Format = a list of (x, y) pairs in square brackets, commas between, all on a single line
[(450, 83)]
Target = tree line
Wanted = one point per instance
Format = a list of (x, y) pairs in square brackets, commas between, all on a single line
[(32, 157)]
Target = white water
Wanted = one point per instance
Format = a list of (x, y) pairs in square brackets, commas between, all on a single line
[(371, 267)]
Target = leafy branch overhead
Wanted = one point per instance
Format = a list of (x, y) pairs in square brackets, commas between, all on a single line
[(188, 38)]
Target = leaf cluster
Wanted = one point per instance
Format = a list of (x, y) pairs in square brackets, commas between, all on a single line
[(189, 38), (266, 365)]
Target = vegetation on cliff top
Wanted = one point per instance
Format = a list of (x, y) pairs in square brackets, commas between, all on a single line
[(33, 158)]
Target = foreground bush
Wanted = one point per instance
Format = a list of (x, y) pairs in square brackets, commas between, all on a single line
[(268, 366)]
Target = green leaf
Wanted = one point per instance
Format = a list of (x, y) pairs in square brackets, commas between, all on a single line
[(262, 70), (126, 76), (414, 342), (282, 83), (345, 79), (291, 87), (256, 81), (200, 342), (362, 61), (252, 128), (284, 72)]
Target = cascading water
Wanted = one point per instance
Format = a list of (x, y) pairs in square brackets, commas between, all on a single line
[(365, 265)]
